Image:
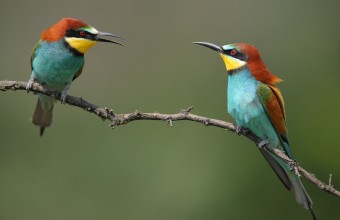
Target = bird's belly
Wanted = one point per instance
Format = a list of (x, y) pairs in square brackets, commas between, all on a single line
[(252, 116), (243, 103), (55, 73), (244, 110)]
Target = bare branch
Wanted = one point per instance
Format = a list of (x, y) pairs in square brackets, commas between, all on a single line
[(184, 114)]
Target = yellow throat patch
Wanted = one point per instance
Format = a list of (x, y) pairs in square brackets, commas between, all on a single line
[(80, 44), (232, 63)]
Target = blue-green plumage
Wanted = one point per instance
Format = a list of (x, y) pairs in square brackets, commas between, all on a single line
[(57, 59), (54, 65), (247, 103), (246, 108), (257, 104), (247, 99)]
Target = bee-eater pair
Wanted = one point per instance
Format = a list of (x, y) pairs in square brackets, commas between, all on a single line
[(257, 104), (253, 99), (58, 59)]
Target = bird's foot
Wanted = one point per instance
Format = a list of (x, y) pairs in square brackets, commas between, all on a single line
[(262, 143), (241, 130), (292, 165), (29, 85), (63, 96), (238, 129), (64, 93)]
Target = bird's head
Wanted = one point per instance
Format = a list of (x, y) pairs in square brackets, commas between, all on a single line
[(77, 34), (239, 56)]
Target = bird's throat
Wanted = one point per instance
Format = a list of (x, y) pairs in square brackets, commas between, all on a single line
[(80, 44), (232, 64)]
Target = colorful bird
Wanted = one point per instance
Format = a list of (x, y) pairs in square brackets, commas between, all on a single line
[(58, 59), (257, 104)]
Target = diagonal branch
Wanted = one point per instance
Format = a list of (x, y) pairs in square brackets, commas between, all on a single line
[(120, 119)]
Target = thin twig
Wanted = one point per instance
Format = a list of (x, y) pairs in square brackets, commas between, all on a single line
[(184, 114)]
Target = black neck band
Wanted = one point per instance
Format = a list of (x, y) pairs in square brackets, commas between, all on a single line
[(235, 71)]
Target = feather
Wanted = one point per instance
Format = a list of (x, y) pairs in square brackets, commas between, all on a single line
[(58, 30), (256, 65), (272, 103), (41, 117)]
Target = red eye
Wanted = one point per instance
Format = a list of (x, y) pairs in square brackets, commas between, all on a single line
[(233, 52), (82, 33)]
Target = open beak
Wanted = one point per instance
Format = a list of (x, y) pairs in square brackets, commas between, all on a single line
[(211, 46), (100, 34)]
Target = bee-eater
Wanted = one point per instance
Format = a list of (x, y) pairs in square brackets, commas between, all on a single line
[(58, 59), (257, 104)]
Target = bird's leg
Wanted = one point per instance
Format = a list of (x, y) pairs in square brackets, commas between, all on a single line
[(30, 84), (238, 129), (262, 143), (293, 167), (64, 93)]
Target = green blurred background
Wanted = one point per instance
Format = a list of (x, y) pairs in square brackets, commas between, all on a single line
[(81, 169)]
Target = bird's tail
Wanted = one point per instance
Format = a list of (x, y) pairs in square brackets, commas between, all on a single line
[(289, 179), (301, 194), (42, 115)]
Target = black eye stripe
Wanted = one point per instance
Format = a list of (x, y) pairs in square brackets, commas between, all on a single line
[(237, 55), (80, 34)]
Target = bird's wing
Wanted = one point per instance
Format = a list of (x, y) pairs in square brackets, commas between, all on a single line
[(272, 102), (34, 53), (78, 72)]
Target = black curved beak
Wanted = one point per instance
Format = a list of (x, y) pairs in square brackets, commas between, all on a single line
[(98, 38), (210, 45)]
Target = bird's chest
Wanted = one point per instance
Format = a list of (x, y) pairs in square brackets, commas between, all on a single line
[(243, 102), (54, 65)]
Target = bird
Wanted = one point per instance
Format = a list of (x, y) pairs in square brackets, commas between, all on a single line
[(256, 103), (58, 59)]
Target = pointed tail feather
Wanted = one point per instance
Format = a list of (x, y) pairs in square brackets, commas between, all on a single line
[(41, 117), (289, 180), (301, 194)]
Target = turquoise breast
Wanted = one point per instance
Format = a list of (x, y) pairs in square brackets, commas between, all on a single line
[(246, 108), (55, 65), (243, 103)]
